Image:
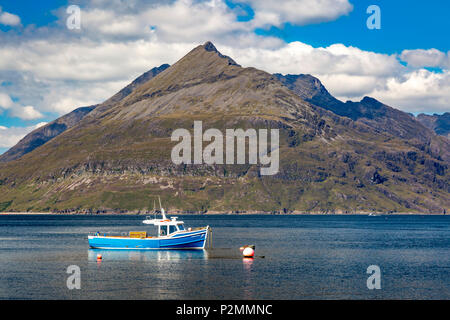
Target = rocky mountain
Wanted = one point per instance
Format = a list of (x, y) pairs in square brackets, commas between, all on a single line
[(310, 89), (45, 133), (438, 123), (373, 113), (118, 157)]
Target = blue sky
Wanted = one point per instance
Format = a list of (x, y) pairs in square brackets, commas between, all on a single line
[(47, 70), (38, 13), (405, 25)]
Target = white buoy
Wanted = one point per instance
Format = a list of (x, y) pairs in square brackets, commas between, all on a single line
[(248, 252)]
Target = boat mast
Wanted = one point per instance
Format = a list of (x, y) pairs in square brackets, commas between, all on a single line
[(162, 209)]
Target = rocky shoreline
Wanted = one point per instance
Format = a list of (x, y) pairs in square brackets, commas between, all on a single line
[(125, 212)]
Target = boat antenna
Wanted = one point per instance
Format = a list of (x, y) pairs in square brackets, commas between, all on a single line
[(162, 209)]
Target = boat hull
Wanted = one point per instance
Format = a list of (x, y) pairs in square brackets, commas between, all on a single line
[(184, 240)]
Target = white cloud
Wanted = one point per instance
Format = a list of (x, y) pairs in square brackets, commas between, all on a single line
[(65, 97), (5, 101), (16, 110), (10, 136), (177, 21), (350, 87), (120, 40), (86, 73), (298, 12), (417, 91), (85, 60), (298, 57), (426, 58), (9, 19), (26, 113)]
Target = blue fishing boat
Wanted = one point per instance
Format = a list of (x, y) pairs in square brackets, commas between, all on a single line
[(171, 235)]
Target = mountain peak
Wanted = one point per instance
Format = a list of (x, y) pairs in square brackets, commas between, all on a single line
[(209, 46), (309, 88), (370, 100)]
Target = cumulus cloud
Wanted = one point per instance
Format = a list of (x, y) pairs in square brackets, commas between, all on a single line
[(417, 91), (120, 40), (350, 87), (71, 75), (426, 58), (10, 136), (86, 60), (65, 97), (175, 21), (194, 21), (16, 110), (9, 19), (26, 113), (58, 70), (5, 101), (298, 12), (298, 57)]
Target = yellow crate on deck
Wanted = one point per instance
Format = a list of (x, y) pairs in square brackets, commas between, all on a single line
[(138, 234)]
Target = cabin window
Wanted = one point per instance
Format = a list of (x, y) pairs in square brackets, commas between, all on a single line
[(172, 229), (181, 227), (163, 231)]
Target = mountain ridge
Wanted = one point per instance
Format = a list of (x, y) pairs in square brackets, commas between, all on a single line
[(371, 112), (308, 87), (116, 158), (438, 123)]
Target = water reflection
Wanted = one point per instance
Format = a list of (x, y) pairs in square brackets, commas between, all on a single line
[(247, 263), (248, 278), (146, 255)]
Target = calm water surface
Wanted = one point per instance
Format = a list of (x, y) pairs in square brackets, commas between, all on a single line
[(305, 257)]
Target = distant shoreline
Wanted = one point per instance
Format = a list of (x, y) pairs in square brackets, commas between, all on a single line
[(226, 213)]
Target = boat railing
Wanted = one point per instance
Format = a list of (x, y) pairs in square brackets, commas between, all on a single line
[(108, 233), (195, 229)]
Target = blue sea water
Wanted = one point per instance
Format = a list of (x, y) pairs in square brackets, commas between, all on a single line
[(297, 257)]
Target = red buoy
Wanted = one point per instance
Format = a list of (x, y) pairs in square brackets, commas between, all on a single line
[(248, 252)]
